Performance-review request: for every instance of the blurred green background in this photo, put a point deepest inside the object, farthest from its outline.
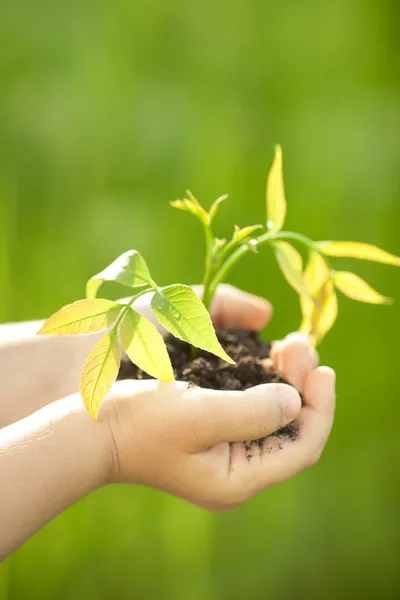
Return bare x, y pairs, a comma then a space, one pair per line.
108, 110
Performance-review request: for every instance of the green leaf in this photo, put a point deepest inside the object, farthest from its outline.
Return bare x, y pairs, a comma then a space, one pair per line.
145, 346
215, 206
193, 206
357, 289
129, 269
181, 312
291, 265
359, 250
83, 316
276, 202
100, 372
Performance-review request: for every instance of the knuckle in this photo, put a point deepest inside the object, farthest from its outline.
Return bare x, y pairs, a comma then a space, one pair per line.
224, 508
227, 503
234, 494
228, 497
223, 494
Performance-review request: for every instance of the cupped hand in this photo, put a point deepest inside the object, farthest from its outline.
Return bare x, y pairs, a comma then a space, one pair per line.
190, 441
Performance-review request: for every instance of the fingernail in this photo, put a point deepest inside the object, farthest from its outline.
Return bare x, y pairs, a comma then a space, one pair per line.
282, 395
291, 404
330, 372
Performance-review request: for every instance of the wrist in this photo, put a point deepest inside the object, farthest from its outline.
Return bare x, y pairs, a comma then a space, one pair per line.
125, 415
90, 441
50, 460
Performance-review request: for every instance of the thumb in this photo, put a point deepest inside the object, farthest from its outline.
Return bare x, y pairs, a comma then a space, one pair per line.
240, 416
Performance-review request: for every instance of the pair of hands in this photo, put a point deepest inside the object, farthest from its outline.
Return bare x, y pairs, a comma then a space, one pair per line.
189, 441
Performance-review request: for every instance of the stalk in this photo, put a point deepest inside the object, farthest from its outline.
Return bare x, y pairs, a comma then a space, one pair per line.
207, 271
224, 267
129, 304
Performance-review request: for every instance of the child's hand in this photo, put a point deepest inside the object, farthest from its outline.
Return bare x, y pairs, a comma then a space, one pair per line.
189, 441
186, 441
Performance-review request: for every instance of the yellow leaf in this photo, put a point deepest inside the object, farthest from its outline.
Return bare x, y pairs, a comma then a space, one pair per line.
145, 346
356, 288
359, 250
315, 276
100, 372
327, 316
316, 272
83, 316
323, 314
291, 265
276, 203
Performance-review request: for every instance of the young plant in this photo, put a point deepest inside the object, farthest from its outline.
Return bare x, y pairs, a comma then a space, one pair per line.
180, 311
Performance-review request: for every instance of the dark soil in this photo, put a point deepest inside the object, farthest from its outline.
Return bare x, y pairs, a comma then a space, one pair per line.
209, 371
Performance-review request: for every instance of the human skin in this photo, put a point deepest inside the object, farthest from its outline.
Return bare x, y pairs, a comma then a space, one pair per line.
185, 441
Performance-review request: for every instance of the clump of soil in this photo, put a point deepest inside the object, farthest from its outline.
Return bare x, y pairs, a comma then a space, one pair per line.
209, 371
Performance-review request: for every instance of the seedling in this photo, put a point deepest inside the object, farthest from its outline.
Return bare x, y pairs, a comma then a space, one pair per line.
181, 312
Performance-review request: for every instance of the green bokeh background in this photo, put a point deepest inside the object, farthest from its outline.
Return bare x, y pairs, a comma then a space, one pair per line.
108, 110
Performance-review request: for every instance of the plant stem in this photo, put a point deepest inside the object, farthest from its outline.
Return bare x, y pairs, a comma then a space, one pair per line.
207, 270
286, 235
136, 296
223, 269
209, 253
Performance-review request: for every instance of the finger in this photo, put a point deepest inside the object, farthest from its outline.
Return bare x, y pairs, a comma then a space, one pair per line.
232, 307
316, 418
315, 423
213, 417
277, 344
293, 358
